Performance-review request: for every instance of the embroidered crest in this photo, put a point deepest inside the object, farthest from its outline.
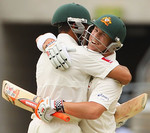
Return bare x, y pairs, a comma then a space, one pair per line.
106, 20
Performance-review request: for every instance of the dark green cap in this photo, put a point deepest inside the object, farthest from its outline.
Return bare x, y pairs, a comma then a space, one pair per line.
70, 10
112, 25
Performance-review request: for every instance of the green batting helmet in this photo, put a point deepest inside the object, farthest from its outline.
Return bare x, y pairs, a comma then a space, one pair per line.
70, 10
113, 26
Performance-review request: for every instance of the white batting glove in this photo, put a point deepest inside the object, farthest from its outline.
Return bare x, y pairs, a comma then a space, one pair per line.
48, 107
58, 55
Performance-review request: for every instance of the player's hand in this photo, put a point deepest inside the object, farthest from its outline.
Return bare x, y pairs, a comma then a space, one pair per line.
118, 125
47, 107
58, 55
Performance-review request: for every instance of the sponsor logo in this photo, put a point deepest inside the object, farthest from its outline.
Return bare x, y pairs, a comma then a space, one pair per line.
103, 97
11, 93
27, 102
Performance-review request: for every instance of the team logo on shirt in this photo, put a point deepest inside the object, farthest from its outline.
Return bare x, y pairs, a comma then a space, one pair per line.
106, 20
105, 98
105, 59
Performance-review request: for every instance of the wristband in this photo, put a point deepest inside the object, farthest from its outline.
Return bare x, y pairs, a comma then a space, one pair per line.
59, 106
49, 44
43, 38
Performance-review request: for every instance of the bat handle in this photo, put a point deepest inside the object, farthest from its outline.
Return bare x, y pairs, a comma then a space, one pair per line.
62, 116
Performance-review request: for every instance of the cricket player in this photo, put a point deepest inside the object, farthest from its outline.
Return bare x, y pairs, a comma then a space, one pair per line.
103, 94
70, 85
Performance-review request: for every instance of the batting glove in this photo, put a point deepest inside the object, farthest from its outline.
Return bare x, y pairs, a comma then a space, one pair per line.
58, 55
47, 107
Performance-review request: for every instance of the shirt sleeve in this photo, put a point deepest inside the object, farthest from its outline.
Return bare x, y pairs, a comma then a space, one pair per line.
105, 92
97, 65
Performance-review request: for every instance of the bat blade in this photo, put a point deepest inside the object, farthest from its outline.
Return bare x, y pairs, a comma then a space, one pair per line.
130, 108
24, 99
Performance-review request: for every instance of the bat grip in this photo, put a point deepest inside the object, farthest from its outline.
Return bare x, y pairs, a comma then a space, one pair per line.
62, 116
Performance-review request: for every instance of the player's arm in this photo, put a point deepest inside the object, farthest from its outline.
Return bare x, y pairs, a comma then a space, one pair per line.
121, 73
57, 53
87, 110
84, 110
60, 59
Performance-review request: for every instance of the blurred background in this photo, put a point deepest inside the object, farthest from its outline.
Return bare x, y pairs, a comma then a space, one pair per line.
22, 21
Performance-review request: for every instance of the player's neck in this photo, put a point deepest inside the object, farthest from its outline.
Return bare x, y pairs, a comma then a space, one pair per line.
107, 54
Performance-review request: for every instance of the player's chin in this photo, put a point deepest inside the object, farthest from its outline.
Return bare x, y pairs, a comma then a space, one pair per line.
91, 47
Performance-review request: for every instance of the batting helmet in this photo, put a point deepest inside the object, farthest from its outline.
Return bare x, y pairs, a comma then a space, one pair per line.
112, 26
70, 10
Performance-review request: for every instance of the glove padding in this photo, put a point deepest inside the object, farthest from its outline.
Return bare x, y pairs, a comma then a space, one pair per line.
58, 55
48, 107
45, 110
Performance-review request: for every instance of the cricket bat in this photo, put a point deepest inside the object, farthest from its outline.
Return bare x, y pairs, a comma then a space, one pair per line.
130, 108
24, 99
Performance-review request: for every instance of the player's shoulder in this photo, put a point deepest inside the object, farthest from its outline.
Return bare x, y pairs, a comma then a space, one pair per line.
87, 53
107, 80
91, 57
43, 59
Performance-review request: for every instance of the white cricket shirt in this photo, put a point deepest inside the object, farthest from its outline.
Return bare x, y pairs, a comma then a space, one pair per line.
107, 93
72, 84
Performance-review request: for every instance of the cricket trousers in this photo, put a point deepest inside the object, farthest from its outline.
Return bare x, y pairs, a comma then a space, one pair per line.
55, 126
